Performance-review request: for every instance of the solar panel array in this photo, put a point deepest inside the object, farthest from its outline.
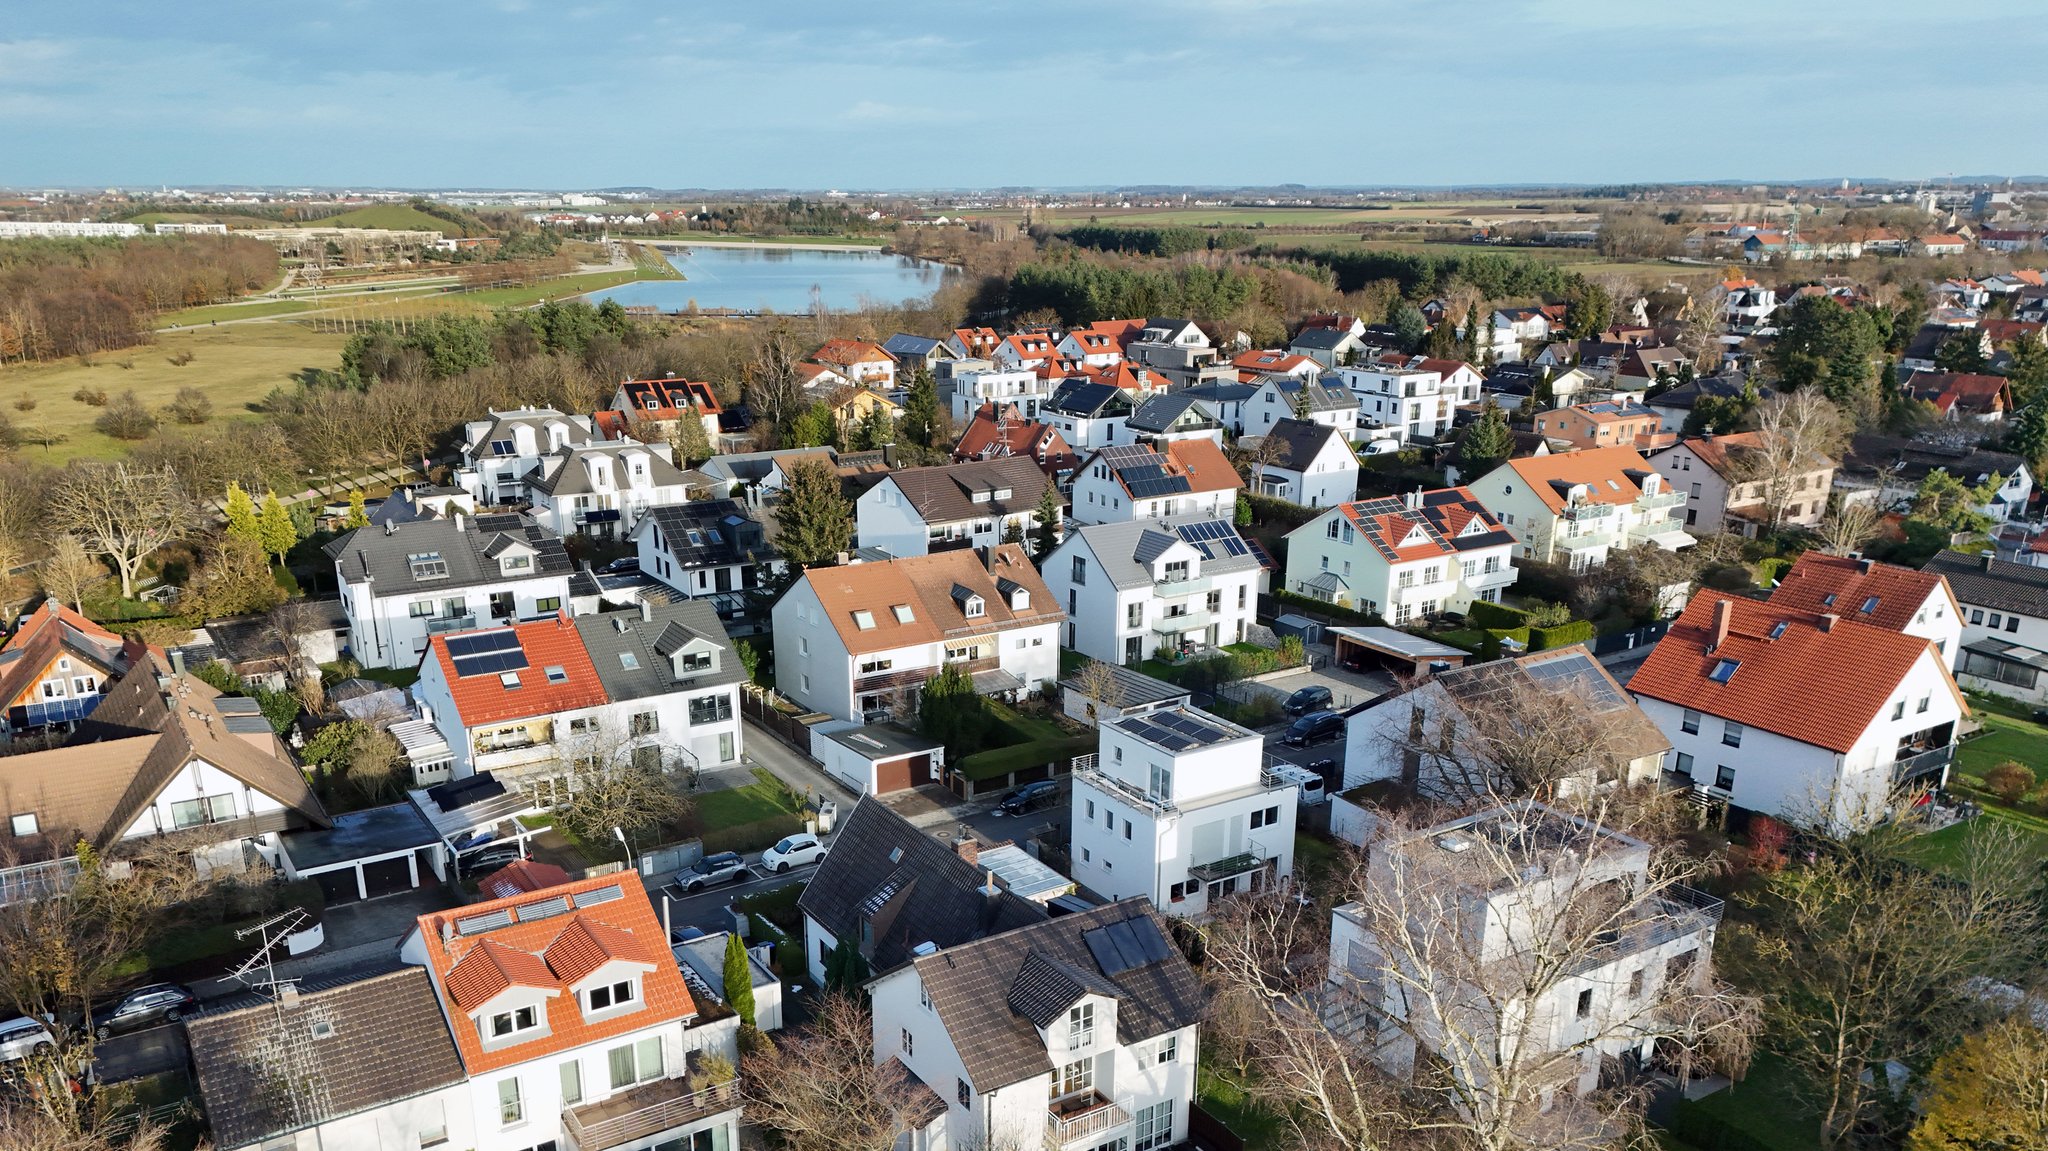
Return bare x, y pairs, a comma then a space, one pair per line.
1145, 481
1575, 672
1126, 945
486, 653
1205, 533
1173, 730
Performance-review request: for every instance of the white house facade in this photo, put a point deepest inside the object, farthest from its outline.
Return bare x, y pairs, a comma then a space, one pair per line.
1130, 589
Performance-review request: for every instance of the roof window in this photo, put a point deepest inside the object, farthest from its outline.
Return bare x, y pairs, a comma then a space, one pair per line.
629, 661
1724, 671
1778, 629
903, 613
509, 679
557, 674
1869, 605
864, 619
427, 565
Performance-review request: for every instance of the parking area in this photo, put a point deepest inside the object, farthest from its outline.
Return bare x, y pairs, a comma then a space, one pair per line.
1347, 688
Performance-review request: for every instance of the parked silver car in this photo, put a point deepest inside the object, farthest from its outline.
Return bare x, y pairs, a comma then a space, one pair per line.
23, 1037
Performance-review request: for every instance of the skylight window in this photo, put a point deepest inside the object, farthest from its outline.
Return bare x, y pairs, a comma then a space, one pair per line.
557, 674
501, 447
1724, 671
509, 679
1869, 605
1778, 629
864, 620
1828, 600
903, 613
629, 661
427, 565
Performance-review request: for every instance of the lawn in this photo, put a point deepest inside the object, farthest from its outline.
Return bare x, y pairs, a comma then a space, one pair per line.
234, 366
557, 289
745, 818
2004, 738
1943, 850
1225, 1099
1764, 1106
397, 217
257, 310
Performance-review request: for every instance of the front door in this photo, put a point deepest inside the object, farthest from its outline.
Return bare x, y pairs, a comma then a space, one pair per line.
1134, 650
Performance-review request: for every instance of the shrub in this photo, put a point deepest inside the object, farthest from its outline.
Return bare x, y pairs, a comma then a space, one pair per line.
126, 419
1563, 635
1770, 571
25, 403
91, 397
2009, 781
191, 406
1483, 614
1543, 613
1292, 601
1767, 842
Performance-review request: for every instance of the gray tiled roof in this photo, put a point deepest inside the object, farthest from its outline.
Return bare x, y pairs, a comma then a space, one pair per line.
1301, 441
1046, 986
909, 886
725, 533
939, 495
1320, 339
1125, 551
502, 424
466, 545
384, 1041
1319, 397
972, 988
670, 626
566, 471
1158, 411
1997, 584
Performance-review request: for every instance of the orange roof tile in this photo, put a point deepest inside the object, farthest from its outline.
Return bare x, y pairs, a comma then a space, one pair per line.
548, 643
610, 914
1604, 471
1819, 582
1204, 464
1817, 683
924, 584
520, 876
846, 353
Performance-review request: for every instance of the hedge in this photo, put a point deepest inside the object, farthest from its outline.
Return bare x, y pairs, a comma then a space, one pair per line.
1000, 761
1563, 635
753, 835
1770, 571
1519, 634
1483, 614
1318, 607
1534, 580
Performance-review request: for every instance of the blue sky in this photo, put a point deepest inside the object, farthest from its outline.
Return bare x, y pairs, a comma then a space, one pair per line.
926, 93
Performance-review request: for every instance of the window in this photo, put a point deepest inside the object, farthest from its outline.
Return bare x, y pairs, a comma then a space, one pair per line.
1724, 777
548, 604
2012, 623
710, 709
421, 609
25, 823
1091, 809
517, 563
427, 565
572, 1082
208, 809
1585, 1003
1161, 782
556, 673
864, 620
646, 723
1081, 1026
964, 1092
1168, 1050
433, 1136
1075, 1077
909, 1042
616, 995
1685, 763
1266, 817
1921, 707
1899, 710
974, 607
513, 1022
635, 1062
1976, 615
1127, 829
1723, 671
1690, 722
902, 613
1635, 984
1134, 615
511, 1109
1153, 1126
1731, 733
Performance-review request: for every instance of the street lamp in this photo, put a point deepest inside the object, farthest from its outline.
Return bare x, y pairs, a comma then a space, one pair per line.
619, 833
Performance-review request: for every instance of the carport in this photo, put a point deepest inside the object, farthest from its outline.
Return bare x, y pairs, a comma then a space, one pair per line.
365, 855
459, 811
1360, 648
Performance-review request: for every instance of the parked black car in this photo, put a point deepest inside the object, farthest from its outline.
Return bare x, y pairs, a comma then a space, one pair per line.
624, 565
144, 1007
488, 858
1314, 697
1030, 797
1314, 727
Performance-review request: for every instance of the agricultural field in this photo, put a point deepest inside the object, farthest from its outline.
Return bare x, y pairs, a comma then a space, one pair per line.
235, 366
398, 217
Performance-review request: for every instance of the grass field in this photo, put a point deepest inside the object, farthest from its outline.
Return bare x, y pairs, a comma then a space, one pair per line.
1253, 217
234, 366
398, 217
263, 309
1766, 1107
560, 289
2004, 738
1943, 850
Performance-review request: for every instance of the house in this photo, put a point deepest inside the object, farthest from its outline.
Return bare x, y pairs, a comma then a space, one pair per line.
1762, 246
1179, 809
162, 754
1576, 507
1328, 347
915, 354
1452, 456
855, 641
821, 380
656, 407
55, 668
603, 489
1940, 245
1285, 397
1075, 1032
1817, 718
1925, 347
1402, 557
2004, 608
2008, 240
1917, 603
705, 957
1314, 465
499, 453
1605, 424
1642, 368
1225, 402
1675, 406
1514, 327
1459, 378
978, 503
894, 891
1962, 292
420, 502
999, 430
1026, 350
575, 1025
1163, 417
1131, 588
385, 1066
761, 473
1889, 470
1417, 403
972, 343
1173, 344
1514, 384
859, 362
1023, 388
1509, 881
1440, 739
1968, 396
656, 685
1118, 692
1253, 367
1190, 479
1746, 306
856, 409
706, 549
1728, 489
1088, 414
1092, 346
402, 585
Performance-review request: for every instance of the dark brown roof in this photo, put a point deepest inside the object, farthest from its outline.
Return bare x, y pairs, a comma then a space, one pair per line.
910, 887
940, 494
972, 988
384, 1040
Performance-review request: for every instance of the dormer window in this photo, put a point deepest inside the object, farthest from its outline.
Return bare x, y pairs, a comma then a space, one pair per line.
974, 607
516, 563
513, 1022
1081, 1026
609, 996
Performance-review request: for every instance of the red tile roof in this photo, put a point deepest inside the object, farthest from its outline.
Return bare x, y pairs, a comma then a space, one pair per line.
1028, 347
1274, 363
1819, 582
1604, 471
977, 341
1442, 367
1203, 463
1974, 394
548, 643
924, 585
608, 918
51, 629
1818, 683
846, 353
1390, 524
521, 876
1016, 436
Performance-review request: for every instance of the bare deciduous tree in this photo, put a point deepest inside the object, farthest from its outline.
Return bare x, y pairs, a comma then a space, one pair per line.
821, 1089
772, 385
1096, 681
1798, 433
69, 573
1848, 526
119, 512
615, 781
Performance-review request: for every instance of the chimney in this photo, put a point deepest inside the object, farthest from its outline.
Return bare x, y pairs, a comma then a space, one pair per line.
458, 521
1724, 614
177, 661
967, 847
646, 612
1415, 499
1988, 557
1863, 565
1828, 621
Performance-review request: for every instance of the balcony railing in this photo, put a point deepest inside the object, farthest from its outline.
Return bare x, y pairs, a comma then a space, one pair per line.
1251, 859
449, 623
1662, 500
1580, 512
1170, 588
1673, 913
646, 1110
1925, 763
1082, 1116
1186, 621
1129, 793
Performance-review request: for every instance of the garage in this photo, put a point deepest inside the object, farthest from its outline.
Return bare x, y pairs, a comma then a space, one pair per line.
1388, 649
364, 855
388, 876
879, 759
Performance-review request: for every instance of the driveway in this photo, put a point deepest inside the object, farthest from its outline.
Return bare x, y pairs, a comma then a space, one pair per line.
1347, 688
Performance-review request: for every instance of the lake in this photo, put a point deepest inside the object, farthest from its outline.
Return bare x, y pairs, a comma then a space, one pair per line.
772, 277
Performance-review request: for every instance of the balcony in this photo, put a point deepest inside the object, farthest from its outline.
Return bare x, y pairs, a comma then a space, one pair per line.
1921, 765
1501, 576
1170, 588
1128, 792
646, 1110
1415, 593
1676, 912
1661, 500
448, 623
1083, 1117
1244, 862
1182, 623
1583, 513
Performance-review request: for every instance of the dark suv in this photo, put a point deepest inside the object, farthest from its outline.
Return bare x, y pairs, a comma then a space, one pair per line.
1030, 797
1314, 727
1315, 697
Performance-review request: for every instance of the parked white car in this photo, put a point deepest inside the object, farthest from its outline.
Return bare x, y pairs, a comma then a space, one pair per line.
794, 851
23, 1037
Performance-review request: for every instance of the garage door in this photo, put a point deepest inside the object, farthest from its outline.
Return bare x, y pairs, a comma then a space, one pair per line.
339, 886
387, 876
920, 770
893, 775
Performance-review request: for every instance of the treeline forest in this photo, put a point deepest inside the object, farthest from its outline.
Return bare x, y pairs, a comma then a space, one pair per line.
63, 298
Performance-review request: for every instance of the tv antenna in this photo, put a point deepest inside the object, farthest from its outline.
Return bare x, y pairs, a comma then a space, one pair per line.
273, 932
